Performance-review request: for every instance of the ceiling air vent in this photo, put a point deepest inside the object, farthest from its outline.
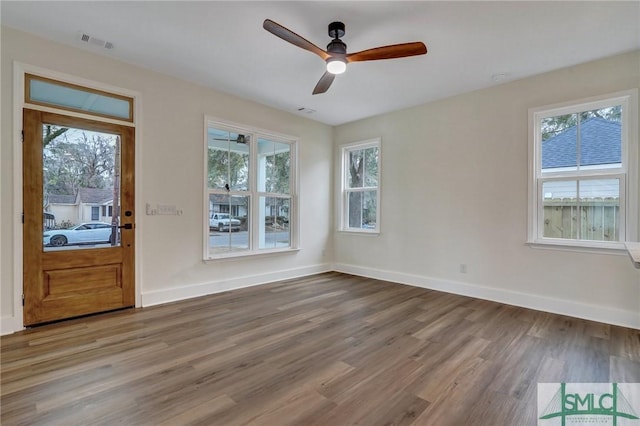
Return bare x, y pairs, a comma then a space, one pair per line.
86, 38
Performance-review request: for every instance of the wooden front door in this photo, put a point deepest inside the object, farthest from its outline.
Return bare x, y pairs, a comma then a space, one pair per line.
79, 217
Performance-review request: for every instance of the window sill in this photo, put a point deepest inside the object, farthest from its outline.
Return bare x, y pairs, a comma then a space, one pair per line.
634, 253
372, 233
249, 255
613, 248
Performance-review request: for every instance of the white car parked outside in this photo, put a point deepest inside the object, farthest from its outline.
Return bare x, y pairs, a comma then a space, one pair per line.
85, 233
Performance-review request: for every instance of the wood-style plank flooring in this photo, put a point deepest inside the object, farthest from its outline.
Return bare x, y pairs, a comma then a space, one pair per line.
330, 349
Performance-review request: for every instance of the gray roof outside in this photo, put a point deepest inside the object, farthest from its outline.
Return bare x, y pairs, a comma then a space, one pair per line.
85, 195
600, 143
227, 200
95, 195
61, 199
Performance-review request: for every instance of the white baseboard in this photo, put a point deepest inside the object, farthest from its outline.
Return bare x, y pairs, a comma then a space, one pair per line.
526, 300
9, 325
175, 294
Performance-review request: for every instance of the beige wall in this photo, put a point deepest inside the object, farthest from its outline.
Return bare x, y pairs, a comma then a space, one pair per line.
454, 182
454, 191
171, 172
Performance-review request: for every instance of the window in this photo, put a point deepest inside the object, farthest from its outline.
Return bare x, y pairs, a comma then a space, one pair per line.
71, 97
250, 191
360, 187
583, 185
107, 211
95, 213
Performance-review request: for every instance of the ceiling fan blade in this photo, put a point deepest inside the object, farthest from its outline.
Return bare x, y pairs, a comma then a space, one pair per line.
389, 52
293, 38
324, 83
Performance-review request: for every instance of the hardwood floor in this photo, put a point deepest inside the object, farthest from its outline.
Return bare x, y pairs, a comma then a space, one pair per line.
330, 349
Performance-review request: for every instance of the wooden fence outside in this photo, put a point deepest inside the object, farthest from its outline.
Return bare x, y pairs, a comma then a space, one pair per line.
599, 218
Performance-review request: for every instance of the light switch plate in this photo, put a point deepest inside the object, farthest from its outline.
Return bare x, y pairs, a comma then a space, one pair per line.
167, 209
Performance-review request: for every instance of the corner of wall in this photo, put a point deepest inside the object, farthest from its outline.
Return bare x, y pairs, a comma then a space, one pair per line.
530, 301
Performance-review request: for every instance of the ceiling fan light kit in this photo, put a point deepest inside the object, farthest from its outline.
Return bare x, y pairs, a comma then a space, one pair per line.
336, 65
336, 56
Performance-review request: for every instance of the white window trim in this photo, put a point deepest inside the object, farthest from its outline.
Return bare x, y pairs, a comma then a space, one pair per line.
253, 192
628, 173
343, 219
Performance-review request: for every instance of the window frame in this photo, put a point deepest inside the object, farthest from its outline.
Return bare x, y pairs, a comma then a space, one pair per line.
345, 149
28, 78
253, 193
627, 173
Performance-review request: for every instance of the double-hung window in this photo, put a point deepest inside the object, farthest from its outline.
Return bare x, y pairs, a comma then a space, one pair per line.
250, 202
360, 187
583, 180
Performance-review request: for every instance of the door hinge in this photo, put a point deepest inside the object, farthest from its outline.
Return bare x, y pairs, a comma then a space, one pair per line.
23, 299
22, 138
23, 218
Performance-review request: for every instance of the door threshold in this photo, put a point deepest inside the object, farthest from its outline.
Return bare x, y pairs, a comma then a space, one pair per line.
63, 320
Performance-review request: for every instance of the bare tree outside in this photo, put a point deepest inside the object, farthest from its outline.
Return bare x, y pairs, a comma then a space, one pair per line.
363, 173
78, 159
553, 126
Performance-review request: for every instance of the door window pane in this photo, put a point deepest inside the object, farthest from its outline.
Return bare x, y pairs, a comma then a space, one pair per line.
81, 172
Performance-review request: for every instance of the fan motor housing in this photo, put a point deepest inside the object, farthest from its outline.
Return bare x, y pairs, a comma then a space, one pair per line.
336, 29
337, 47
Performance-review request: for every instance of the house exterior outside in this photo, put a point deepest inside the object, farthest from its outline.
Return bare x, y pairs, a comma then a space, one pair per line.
63, 207
88, 205
235, 206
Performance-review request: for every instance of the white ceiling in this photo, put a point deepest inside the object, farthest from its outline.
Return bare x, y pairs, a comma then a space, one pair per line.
222, 44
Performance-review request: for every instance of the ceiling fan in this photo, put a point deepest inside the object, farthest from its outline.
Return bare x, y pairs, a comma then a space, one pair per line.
336, 55
241, 139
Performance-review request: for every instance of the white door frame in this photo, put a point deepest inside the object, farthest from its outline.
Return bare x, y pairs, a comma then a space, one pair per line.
16, 322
